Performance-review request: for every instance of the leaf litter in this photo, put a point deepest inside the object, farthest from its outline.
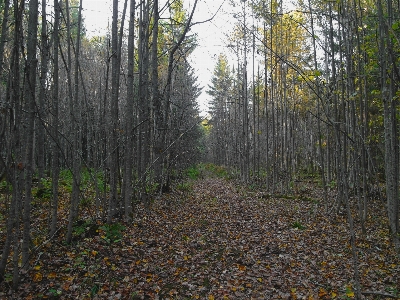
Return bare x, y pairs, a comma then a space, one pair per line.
219, 241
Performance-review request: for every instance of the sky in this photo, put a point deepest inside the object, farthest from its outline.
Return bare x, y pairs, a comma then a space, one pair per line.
211, 35
211, 39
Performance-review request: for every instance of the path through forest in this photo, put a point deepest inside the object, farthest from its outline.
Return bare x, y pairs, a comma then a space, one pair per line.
216, 240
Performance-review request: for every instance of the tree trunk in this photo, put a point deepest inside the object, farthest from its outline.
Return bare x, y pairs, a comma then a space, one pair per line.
55, 122
112, 204
4, 34
14, 155
156, 105
391, 156
129, 144
144, 154
321, 150
41, 133
30, 104
77, 140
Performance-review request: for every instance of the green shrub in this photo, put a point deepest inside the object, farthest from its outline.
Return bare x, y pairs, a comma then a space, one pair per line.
193, 172
45, 192
112, 233
5, 186
80, 227
332, 184
152, 188
66, 179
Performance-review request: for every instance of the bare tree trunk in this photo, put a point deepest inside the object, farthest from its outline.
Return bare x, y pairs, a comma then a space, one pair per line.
156, 105
321, 150
77, 142
104, 125
41, 133
4, 34
273, 99
144, 155
363, 100
30, 98
333, 83
71, 109
17, 234
253, 131
267, 156
55, 122
112, 204
394, 201
391, 156
245, 128
15, 154
129, 143
258, 132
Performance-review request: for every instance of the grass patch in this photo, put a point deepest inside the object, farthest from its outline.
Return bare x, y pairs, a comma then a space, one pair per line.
185, 187
298, 225
193, 172
219, 171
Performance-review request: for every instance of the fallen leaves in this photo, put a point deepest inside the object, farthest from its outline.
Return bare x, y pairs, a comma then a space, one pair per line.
52, 275
241, 267
37, 277
219, 242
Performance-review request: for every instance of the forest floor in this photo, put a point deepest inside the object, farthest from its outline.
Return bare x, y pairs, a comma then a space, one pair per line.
216, 240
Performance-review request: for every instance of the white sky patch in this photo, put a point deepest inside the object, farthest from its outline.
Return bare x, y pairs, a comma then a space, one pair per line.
97, 15
211, 37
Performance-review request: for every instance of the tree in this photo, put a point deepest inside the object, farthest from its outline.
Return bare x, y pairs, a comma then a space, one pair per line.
387, 66
13, 157
4, 32
168, 91
221, 93
77, 139
55, 122
44, 58
30, 108
90, 133
129, 141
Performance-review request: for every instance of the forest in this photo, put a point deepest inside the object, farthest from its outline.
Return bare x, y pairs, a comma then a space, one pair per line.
114, 185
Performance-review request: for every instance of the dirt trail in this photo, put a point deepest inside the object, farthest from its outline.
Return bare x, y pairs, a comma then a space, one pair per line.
218, 241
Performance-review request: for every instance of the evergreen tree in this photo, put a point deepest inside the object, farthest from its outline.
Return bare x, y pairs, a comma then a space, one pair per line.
220, 91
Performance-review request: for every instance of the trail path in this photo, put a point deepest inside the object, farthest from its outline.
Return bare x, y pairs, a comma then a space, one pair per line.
220, 241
